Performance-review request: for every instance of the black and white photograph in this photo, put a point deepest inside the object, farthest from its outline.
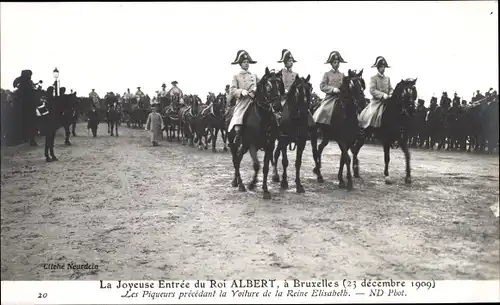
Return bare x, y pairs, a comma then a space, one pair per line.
247, 140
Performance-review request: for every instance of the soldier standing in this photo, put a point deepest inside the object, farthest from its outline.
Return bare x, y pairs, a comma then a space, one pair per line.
93, 120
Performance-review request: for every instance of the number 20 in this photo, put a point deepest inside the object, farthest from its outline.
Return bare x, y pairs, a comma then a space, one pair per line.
42, 295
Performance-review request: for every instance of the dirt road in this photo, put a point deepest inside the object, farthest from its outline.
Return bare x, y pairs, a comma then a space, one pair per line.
142, 212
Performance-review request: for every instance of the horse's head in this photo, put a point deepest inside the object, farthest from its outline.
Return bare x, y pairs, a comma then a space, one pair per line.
270, 88
353, 86
299, 98
404, 96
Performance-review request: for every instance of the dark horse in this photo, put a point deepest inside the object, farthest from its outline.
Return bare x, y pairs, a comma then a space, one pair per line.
396, 125
259, 130
214, 118
343, 127
113, 116
59, 114
293, 128
171, 118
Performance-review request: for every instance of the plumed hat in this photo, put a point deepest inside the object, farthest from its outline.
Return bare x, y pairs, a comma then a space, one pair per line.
286, 55
380, 61
174, 82
241, 56
334, 55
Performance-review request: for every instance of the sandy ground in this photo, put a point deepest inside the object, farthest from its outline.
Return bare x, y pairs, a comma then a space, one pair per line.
142, 212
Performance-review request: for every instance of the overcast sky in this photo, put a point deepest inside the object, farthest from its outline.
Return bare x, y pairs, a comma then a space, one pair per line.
450, 46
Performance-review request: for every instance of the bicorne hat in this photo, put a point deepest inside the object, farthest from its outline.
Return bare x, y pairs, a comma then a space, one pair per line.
334, 55
380, 61
241, 56
286, 55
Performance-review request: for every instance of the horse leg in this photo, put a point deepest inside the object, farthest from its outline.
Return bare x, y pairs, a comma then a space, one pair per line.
314, 146
406, 152
180, 133
340, 174
206, 138
49, 145
301, 145
355, 151
73, 127
224, 137
276, 176
111, 127
256, 168
387, 159
214, 134
235, 158
116, 128
66, 135
240, 152
317, 169
265, 171
346, 159
47, 141
284, 163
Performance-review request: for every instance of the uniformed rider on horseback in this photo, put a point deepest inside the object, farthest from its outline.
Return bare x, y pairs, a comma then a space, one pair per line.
289, 78
330, 84
139, 95
381, 90
95, 97
243, 87
162, 96
176, 91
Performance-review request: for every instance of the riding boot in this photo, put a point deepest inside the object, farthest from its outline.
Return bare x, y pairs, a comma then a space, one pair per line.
237, 138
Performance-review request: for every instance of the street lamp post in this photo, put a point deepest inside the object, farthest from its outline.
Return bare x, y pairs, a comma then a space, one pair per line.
56, 76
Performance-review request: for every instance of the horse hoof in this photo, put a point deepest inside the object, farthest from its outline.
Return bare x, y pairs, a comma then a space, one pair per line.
234, 183
342, 185
74, 135
225, 148
206, 147
67, 143
284, 185
276, 178
266, 195
214, 150
251, 186
300, 189
355, 170
349, 185
408, 180
320, 179
388, 180
242, 188
315, 171
48, 159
